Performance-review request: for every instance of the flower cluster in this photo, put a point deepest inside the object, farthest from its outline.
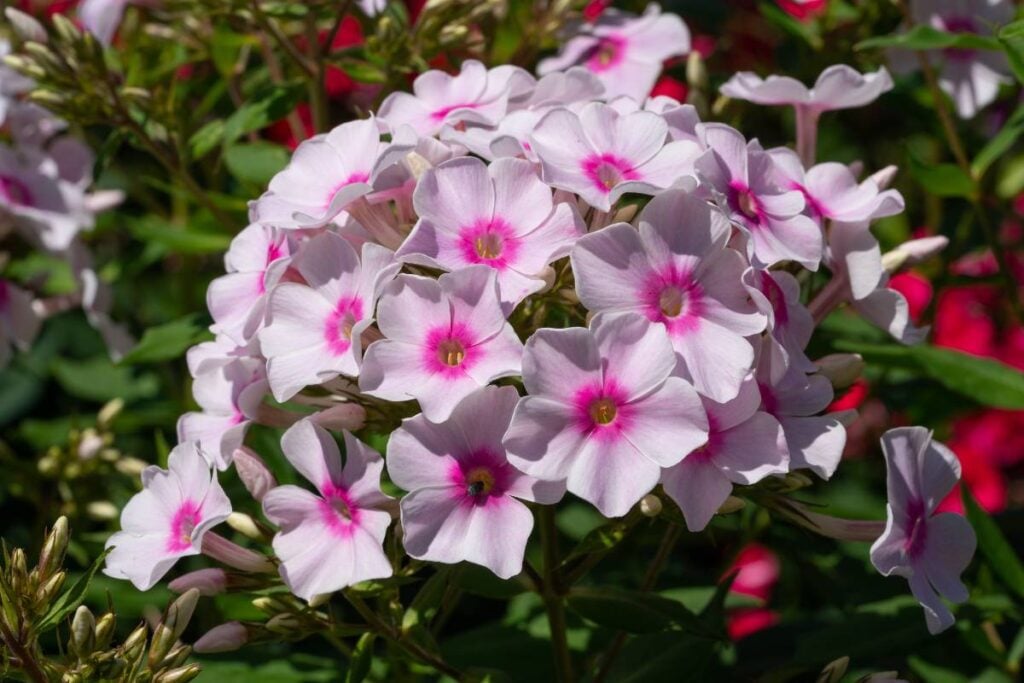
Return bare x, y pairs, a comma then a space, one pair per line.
538, 286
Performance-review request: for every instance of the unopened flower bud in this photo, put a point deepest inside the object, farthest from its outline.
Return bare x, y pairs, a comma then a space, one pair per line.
131, 466
105, 630
102, 510
135, 643
162, 642
109, 411
25, 25
271, 604
650, 505
283, 624
233, 555
83, 633
176, 657
89, 444
66, 29
319, 599
834, 670
51, 557
796, 480
254, 473
548, 276
350, 416
841, 369
180, 612
246, 525
625, 214
224, 638
24, 66
696, 71
49, 590
731, 504
913, 252
180, 675
208, 582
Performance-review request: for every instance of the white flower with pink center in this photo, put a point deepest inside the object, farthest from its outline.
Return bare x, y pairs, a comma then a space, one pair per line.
501, 216
744, 446
325, 175
604, 412
464, 496
19, 323
313, 330
677, 271
167, 519
445, 338
742, 180
230, 397
837, 87
929, 550
256, 259
623, 50
474, 95
333, 538
601, 154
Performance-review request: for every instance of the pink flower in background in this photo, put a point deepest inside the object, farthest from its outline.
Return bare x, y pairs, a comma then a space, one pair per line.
803, 10
475, 95
313, 330
757, 572
601, 154
677, 271
464, 496
167, 519
929, 550
838, 87
230, 397
742, 180
501, 216
604, 412
445, 338
744, 446
19, 323
624, 51
326, 174
333, 538
776, 294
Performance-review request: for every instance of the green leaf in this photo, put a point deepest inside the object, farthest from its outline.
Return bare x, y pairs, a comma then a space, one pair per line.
206, 138
1011, 37
261, 110
1000, 144
634, 611
256, 162
424, 606
97, 379
804, 30
923, 37
985, 380
666, 657
69, 600
363, 72
166, 342
943, 180
362, 657
178, 239
993, 545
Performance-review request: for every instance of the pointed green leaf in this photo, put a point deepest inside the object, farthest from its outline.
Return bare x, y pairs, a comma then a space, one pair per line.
993, 545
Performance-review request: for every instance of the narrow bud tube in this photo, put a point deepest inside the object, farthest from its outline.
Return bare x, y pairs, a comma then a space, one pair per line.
223, 638
350, 416
841, 369
233, 555
208, 582
254, 473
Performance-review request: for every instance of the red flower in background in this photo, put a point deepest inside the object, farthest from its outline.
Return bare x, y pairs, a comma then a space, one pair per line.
804, 10
670, 87
758, 572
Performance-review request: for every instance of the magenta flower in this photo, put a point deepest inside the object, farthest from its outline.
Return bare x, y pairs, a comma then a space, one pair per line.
464, 497
333, 538
501, 216
230, 397
445, 339
677, 271
741, 178
604, 412
475, 95
256, 259
167, 519
313, 330
624, 51
744, 446
601, 154
929, 550
326, 174
19, 323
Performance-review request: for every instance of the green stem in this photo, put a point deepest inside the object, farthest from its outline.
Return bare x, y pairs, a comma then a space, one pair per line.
553, 595
316, 83
25, 659
282, 40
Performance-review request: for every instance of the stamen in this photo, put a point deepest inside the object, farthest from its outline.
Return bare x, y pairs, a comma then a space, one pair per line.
603, 411
671, 301
479, 482
488, 245
451, 352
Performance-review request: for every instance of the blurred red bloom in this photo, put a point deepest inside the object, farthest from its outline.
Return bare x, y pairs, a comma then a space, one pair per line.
758, 572
670, 87
852, 398
804, 10
747, 620
916, 288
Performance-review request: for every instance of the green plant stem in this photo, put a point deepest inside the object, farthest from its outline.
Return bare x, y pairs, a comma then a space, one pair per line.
553, 595
316, 83
282, 40
25, 659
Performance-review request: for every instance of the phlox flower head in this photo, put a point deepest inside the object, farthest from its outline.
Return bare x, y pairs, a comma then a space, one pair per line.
930, 550
332, 538
445, 338
167, 519
464, 496
838, 87
745, 445
624, 51
604, 412
741, 178
19, 324
677, 271
601, 154
313, 330
501, 216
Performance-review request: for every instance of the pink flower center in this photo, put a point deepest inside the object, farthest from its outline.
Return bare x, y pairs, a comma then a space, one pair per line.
338, 328
337, 510
491, 242
184, 522
674, 299
743, 201
606, 171
442, 113
480, 478
607, 54
357, 177
917, 531
449, 351
602, 410
15, 192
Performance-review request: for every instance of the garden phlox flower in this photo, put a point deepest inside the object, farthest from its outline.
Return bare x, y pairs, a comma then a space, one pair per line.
624, 51
745, 445
501, 216
313, 329
742, 180
601, 154
19, 324
463, 500
333, 538
444, 339
929, 550
604, 412
677, 271
837, 87
167, 519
